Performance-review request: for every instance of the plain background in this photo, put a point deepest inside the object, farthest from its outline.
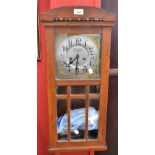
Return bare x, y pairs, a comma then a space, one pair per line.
18, 77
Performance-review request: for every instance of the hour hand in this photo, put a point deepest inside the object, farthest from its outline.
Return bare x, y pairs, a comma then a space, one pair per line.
71, 61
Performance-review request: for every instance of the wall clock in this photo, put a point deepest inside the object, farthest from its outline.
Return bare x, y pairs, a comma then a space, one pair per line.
78, 58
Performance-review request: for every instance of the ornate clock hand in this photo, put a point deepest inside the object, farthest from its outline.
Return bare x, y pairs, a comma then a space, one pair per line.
71, 61
77, 62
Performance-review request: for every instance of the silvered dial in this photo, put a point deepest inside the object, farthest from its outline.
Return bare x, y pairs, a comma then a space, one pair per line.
77, 54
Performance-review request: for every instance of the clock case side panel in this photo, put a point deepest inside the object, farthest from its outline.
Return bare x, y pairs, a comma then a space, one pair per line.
104, 84
51, 86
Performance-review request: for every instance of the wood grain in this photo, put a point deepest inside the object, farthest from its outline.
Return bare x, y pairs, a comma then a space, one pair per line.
51, 87
105, 64
68, 111
76, 82
64, 13
86, 112
81, 96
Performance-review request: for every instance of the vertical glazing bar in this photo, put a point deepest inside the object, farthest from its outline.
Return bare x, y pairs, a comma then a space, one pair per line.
86, 116
68, 110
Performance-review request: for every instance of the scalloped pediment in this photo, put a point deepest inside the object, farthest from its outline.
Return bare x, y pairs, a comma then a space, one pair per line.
67, 14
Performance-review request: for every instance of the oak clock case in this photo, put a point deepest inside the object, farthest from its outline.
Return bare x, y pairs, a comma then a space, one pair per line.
78, 59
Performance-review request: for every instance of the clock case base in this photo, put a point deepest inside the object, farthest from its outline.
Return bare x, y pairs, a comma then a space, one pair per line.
78, 148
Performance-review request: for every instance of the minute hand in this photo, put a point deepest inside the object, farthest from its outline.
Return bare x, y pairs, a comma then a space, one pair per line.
77, 62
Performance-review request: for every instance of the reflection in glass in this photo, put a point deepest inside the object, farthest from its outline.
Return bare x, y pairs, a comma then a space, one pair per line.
61, 90
77, 119
93, 116
78, 89
62, 119
94, 89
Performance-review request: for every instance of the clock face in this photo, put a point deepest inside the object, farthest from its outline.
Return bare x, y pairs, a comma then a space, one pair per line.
77, 56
